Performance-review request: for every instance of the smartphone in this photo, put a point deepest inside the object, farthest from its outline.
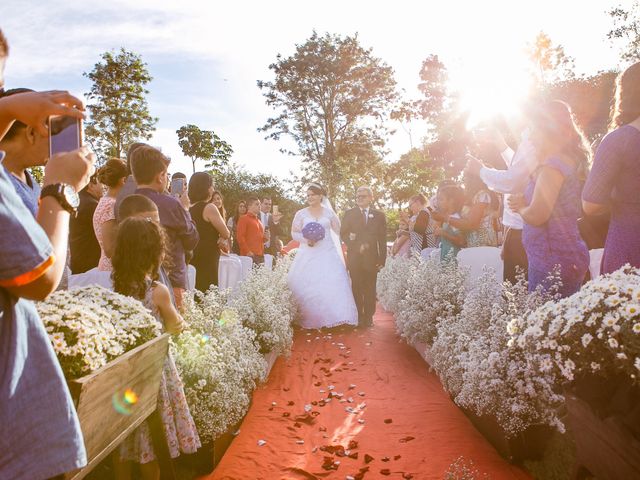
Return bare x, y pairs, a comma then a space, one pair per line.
65, 134
275, 210
178, 186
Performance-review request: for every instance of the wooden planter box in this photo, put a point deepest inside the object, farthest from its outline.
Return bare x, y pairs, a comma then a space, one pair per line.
528, 445
424, 350
604, 447
94, 395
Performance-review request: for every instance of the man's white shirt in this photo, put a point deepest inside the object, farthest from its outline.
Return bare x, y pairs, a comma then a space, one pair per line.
520, 167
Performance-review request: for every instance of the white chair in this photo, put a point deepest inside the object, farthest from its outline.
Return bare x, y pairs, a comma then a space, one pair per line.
191, 277
434, 254
476, 258
247, 264
426, 253
268, 261
595, 259
90, 277
229, 272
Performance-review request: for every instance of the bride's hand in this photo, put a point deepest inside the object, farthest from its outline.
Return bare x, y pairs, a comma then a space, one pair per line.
311, 243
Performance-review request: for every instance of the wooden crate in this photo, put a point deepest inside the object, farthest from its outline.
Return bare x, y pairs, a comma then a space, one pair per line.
104, 427
604, 447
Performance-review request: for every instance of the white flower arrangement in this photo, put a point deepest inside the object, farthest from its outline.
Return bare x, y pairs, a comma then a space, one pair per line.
91, 326
220, 365
594, 331
435, 293
487, 374
392, 281
265, 304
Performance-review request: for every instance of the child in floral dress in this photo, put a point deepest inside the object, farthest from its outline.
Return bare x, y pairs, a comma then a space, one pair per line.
139, 252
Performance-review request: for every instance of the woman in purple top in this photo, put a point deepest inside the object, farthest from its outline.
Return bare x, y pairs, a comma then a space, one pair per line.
614, 181
551, 203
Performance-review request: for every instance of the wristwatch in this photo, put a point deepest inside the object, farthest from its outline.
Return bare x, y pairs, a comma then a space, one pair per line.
65, 194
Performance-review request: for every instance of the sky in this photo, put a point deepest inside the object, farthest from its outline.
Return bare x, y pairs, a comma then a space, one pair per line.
205, 57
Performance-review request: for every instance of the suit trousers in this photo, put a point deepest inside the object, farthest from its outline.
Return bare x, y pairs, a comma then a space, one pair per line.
513, 255
363, 284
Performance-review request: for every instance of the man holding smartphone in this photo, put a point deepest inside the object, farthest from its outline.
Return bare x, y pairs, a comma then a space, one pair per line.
42, 436
271, 224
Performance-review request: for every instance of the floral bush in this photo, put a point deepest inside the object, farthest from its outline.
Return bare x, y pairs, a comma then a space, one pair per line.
594, 331
392, 281
265, 304
435, 293
91, 326
490, 376
220, 365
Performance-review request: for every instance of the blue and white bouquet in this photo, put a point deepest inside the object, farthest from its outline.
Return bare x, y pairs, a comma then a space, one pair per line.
313, 232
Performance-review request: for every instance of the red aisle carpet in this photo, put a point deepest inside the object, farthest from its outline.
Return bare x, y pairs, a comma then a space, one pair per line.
404, 420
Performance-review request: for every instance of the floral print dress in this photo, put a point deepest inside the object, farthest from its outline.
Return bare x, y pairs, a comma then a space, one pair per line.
179, 428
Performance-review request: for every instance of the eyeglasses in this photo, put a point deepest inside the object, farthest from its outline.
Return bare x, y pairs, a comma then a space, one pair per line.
362, 196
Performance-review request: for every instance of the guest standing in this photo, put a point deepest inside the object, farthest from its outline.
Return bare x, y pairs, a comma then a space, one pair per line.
251, 236
232, 224
150, 172
113, 175
139, 252
477, 219
211, 228
614, 181
24, 148
450, 202
550, 206
271, 224
130, 185
83, 244
520, 166
218, 200
421, 227
41, 428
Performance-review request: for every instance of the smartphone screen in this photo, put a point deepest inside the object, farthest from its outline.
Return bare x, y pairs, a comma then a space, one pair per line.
65, 134
177, 186
275, 210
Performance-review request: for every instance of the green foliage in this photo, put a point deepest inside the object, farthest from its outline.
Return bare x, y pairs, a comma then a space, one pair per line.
626, 27
118, 107
590, 99
550, 62
332, 97
414, 173
236, 183
203, 145
438, 102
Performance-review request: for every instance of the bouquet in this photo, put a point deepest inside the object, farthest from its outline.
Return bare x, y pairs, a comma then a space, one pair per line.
313, 232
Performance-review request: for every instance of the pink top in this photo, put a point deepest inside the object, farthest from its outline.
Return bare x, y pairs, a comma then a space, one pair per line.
105, 211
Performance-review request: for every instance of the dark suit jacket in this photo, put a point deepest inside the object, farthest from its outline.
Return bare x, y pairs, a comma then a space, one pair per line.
366, 242
274, 230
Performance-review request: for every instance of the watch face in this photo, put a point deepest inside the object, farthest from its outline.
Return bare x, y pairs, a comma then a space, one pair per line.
71, 196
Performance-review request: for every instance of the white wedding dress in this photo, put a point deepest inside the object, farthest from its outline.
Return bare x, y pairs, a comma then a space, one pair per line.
318, 277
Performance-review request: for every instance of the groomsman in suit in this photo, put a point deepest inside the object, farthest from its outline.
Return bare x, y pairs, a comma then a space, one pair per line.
271, 224
364, 231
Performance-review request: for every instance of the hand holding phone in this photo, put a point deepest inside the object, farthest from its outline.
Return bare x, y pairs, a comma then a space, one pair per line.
276, 210
65, 134
178, 186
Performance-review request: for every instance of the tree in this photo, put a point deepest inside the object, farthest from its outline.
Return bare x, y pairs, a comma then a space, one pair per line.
413, 173
203, 145
590, 100
332, 98
438, 102
626, 27
118, 108
551, 63
236, 183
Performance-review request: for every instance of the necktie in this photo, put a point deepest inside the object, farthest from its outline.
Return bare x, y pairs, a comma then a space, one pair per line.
364, 212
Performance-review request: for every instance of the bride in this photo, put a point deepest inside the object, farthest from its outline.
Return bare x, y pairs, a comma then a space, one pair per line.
318, 277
